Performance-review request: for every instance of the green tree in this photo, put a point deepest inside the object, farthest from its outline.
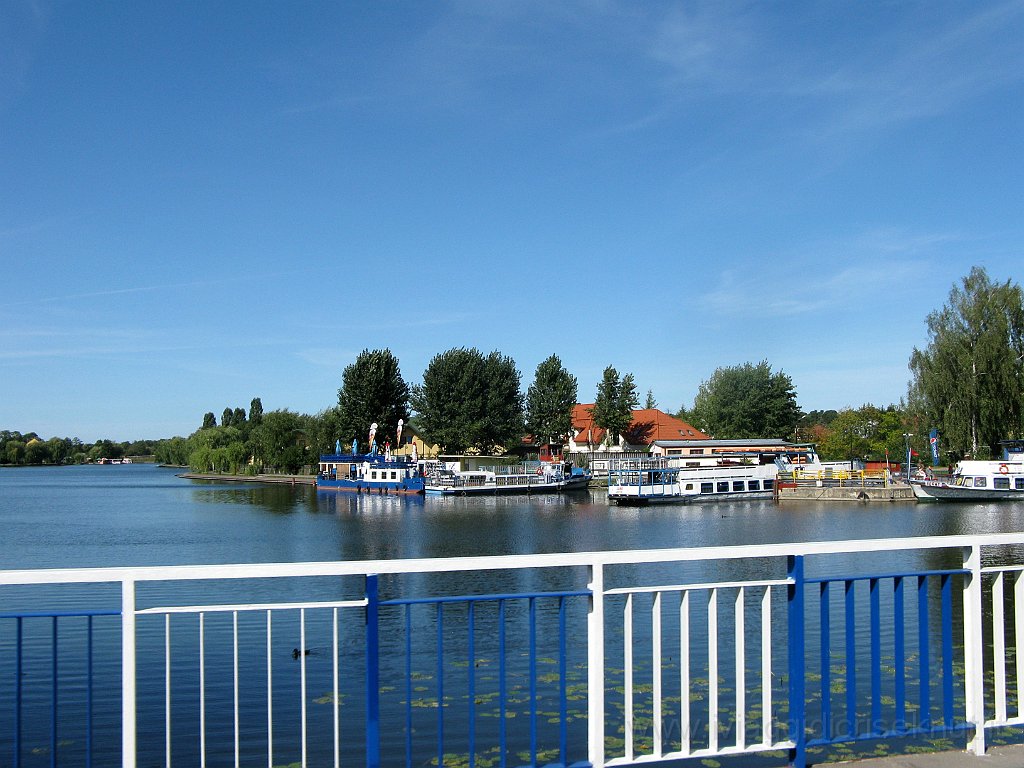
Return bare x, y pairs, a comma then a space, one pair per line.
864, 433
280, 442
614, 404
650, 403
238, 417
255, 411
15, 451
372, 392
746, 401
227, 419
550, 400
467, 401
209, 420
969, 381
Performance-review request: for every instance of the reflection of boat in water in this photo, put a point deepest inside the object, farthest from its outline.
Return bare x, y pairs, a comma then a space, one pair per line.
369, 473
545, 477
720, 477
975, 481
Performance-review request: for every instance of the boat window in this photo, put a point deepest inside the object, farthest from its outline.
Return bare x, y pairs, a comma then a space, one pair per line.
1018, 483
1001, 483
753, 485
689, 486
737, 485
707, 487
723, 487
980, 482
769, 484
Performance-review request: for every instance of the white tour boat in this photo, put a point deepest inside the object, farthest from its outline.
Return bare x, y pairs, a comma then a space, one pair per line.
682, 480
974, 480
547, 477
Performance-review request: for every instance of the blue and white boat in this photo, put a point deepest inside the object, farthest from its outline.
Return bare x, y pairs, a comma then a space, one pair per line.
369, 473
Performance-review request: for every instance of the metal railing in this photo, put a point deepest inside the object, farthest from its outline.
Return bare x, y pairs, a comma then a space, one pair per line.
619, 658
839, 479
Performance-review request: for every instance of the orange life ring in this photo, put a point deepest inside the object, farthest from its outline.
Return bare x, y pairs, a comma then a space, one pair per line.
1003, 469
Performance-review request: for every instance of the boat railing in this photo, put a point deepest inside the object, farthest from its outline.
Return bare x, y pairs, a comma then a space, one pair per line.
408, 663
838, 478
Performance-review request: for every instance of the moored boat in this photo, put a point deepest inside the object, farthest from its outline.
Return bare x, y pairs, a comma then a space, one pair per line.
369, 473
974, 480
681, 480
545, 478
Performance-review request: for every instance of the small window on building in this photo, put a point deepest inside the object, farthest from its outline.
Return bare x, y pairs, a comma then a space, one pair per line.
696, 451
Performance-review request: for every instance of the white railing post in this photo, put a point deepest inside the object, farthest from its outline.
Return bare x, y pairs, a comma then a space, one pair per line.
974, 672
595, 667
128, 745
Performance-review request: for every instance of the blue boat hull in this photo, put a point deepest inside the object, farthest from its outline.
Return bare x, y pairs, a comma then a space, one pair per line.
412, 485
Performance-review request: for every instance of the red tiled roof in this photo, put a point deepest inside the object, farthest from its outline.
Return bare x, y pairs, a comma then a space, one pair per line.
655, 424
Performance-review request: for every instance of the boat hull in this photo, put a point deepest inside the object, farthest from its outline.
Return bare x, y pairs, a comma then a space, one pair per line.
931, 490
624, 499
494, 489
412, 486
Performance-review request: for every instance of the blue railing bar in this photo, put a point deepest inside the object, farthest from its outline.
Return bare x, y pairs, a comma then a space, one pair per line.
888, 575
485, 598
876, 656
924, 654
373, 757
826, 658
797, 682
440, 684
533, 681
471, 651
563, 733
17, 694
851, 658
53, 702
56, 614
88, 697
502, 685
947, 649
894, 734
408, 687
899, 650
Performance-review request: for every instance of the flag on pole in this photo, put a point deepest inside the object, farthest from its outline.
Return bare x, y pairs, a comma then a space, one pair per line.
933, 440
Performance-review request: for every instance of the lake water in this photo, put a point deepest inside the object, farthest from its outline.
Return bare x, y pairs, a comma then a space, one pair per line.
140, 514
130, 515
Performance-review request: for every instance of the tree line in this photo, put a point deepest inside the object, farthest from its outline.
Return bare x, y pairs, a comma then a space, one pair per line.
30, 449
967, 383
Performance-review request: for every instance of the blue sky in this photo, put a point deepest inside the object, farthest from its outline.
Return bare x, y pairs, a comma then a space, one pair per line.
205, 202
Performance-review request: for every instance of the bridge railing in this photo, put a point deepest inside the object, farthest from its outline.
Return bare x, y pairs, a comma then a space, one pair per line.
606, 658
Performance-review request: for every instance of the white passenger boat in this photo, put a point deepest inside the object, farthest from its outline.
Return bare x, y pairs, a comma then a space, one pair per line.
975, 481
554, 477
681, 480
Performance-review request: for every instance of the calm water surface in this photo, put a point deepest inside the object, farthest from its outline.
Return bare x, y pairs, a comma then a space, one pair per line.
145, 515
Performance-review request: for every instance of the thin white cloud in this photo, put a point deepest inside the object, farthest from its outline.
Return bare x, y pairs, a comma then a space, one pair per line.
808, 283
